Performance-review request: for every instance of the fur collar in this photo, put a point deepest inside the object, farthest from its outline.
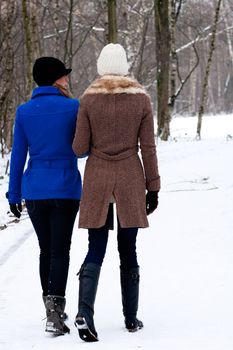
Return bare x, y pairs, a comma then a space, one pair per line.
115, 84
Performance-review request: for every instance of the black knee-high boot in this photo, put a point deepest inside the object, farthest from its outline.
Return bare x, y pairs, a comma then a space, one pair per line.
88, 282
130, 294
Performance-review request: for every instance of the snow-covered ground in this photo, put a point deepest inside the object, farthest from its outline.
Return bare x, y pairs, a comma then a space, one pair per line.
186, 259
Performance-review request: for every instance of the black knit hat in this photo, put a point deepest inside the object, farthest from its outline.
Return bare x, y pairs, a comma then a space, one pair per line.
47, 70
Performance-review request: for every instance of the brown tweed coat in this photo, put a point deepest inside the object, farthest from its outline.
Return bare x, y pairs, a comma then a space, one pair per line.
114, 117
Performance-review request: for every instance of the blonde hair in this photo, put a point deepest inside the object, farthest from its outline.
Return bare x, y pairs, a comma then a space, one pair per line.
64, 91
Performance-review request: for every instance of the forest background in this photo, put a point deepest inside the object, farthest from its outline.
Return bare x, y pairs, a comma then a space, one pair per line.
180, 50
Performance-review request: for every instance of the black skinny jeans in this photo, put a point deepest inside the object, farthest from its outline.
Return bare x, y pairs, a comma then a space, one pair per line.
126, 239
53, 221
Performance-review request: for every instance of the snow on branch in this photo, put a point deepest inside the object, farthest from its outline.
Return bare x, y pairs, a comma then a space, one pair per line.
199, 38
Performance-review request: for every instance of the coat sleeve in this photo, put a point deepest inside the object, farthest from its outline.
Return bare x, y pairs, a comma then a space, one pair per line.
148, 148
82, 138
17, 162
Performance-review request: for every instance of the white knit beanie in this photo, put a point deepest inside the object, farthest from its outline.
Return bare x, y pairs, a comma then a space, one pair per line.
112, 60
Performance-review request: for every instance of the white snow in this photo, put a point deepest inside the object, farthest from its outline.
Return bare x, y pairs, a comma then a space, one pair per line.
186, 259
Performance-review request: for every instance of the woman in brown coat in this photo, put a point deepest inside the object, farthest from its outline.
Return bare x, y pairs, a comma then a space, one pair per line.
114, 119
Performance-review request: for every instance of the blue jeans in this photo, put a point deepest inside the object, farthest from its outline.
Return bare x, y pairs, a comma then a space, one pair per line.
53, 221
126, 239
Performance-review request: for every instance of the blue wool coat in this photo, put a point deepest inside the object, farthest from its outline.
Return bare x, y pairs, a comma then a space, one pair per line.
44, 130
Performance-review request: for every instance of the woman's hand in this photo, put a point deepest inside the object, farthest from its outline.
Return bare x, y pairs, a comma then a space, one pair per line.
16, 209
152, 201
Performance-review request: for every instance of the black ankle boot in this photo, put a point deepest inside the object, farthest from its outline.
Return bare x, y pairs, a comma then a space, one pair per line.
55, 306
88, 282
130, 294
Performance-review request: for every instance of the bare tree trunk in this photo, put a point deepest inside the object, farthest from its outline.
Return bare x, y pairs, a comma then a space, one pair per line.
68, 54
34, 30
173, 65
219, 83
28, 44
56, 22
210, 103
175, 7
228, 98
193, 81
6, 100
163, 49
207, 72
139, 58
112, 22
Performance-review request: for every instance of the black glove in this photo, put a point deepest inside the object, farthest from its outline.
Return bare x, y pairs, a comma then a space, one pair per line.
152, 201
16, 209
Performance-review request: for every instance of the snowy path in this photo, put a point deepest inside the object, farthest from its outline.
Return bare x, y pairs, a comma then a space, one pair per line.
186, 259
7, 254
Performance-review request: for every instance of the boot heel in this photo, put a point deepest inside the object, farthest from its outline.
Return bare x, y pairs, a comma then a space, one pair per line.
50, 327
80, 323
84, 331
133, 326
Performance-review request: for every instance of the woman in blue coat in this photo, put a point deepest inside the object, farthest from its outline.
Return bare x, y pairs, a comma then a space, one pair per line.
51, 184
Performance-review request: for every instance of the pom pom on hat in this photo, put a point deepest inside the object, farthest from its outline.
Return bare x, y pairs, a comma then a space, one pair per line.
112, 60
